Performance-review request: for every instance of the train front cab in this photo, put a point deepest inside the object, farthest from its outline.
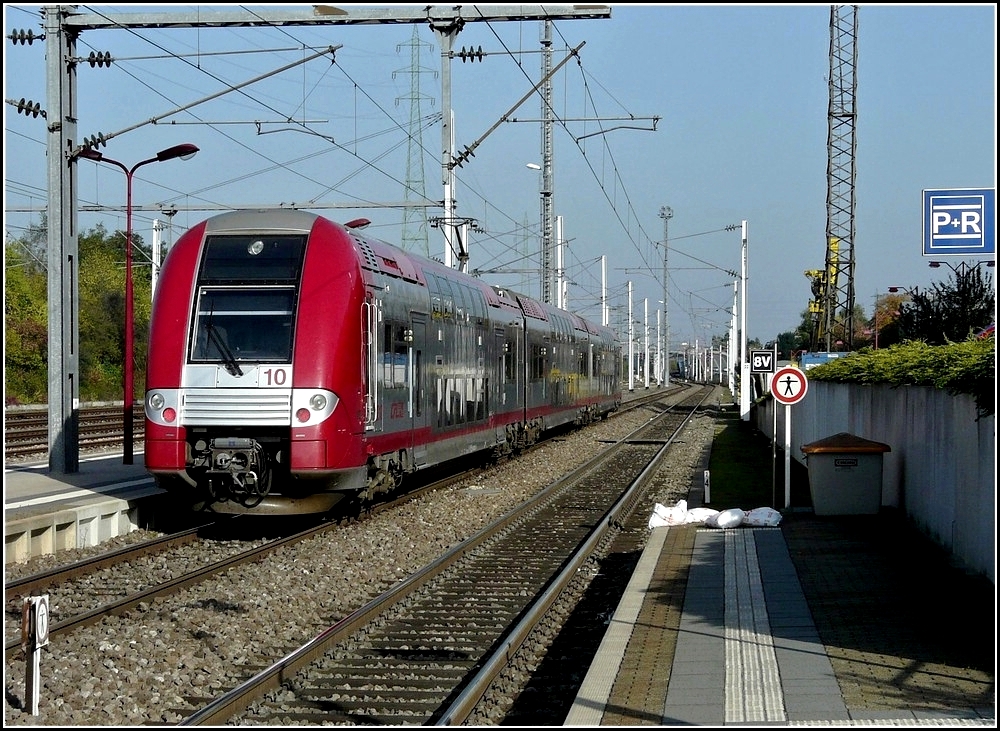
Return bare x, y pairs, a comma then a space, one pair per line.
251, 404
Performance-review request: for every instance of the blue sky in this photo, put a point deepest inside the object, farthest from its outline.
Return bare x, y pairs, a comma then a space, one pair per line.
740, 92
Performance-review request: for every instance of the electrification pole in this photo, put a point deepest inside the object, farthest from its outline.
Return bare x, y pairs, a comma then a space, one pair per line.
666, 213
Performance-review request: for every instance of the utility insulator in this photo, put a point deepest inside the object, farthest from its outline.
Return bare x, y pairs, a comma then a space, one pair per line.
94, 141
20, 37
30, 108
471, 55
99, 59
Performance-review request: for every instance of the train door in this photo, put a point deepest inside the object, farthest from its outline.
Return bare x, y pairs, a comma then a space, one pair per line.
371, 318
508, 355
420, 413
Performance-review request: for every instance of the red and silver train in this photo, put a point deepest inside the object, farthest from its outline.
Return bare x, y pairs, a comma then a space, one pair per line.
294, 361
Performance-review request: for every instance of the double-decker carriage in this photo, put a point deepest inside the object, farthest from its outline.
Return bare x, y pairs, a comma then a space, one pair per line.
294, 361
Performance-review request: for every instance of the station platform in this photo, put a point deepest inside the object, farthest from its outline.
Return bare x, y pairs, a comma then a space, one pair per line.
819, 621
46, 512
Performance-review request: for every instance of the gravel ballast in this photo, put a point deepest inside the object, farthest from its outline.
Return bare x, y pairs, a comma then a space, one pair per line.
133, 669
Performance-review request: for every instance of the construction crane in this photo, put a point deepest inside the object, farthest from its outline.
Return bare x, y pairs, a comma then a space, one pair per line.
832, 307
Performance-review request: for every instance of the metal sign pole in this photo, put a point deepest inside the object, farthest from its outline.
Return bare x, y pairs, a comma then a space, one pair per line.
788, 386
788, 456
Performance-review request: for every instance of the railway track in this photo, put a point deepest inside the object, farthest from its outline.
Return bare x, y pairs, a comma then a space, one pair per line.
26, 430
116, 636
81, 589
89, 605
428, 651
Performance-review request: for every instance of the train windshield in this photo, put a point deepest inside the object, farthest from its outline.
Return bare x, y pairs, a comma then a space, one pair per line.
239, 325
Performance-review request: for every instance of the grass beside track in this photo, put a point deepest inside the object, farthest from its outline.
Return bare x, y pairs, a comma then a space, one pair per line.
742, 470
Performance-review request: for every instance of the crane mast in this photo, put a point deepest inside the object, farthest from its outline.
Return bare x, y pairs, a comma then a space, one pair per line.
832, 307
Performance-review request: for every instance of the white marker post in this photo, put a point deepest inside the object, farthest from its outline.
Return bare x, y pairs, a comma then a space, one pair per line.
34, 636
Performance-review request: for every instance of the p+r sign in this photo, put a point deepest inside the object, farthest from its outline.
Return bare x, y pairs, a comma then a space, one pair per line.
960, 222
789, 385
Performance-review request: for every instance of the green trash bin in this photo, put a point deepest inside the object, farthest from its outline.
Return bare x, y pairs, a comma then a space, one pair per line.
845, 474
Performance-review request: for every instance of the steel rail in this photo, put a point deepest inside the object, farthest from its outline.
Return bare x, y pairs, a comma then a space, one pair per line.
460, 710
219, 710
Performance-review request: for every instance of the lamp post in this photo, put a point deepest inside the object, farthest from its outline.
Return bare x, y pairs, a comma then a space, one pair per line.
185, 151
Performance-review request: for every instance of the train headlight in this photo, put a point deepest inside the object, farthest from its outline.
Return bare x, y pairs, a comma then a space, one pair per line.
311, 406
317, 402
163, 406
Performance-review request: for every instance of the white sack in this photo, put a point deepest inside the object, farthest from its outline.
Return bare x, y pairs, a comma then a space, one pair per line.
731, 518
663, 515
700, 515
762, 517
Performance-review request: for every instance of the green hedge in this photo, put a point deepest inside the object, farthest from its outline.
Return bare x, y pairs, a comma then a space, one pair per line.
967, 367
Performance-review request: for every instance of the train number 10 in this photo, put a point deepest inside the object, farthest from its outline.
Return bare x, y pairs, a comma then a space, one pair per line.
274, 377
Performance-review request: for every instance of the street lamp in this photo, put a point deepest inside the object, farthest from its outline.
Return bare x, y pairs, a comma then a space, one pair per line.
963, 268
185, 152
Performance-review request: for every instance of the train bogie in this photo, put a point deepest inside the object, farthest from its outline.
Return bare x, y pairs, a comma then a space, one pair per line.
294, 362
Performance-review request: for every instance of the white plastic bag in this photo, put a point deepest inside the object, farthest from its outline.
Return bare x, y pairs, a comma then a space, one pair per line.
762, 517
662, 515
731, 518
700, 515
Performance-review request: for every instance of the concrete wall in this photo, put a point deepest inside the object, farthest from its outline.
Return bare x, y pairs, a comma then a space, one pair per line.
942, 468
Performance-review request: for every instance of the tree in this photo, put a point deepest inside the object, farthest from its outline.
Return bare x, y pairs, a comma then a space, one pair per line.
800, 340
100, 309
885, 319
951, 311
789, 342
26, 316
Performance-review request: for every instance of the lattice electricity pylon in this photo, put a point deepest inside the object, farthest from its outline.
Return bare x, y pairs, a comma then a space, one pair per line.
837, 305
415, 225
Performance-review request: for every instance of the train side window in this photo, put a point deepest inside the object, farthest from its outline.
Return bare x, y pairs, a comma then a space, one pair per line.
537, 362
477, 305
434, 289
447, 299
395, 357
461, 311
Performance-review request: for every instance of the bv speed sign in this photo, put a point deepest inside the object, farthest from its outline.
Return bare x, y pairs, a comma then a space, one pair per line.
789, 385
